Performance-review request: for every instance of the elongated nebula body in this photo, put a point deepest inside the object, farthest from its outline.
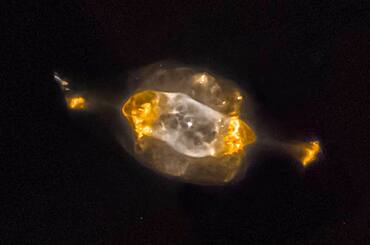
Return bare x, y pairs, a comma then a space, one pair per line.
187, 124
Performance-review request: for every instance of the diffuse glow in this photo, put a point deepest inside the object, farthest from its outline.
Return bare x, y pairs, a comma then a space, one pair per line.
203, 78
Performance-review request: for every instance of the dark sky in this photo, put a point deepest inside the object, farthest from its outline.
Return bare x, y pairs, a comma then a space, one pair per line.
306, 65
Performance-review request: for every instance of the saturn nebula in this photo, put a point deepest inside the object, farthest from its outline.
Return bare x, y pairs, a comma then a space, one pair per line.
187, 123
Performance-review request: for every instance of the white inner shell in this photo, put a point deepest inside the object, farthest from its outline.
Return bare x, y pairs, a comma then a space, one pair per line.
189, 126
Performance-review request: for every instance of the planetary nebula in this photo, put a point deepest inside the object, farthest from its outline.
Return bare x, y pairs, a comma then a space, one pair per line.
183, 122
187, 123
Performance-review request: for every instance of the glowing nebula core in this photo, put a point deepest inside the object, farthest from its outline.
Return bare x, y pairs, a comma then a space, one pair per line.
187, 123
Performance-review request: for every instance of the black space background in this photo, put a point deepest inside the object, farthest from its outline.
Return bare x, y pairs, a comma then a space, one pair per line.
306, 64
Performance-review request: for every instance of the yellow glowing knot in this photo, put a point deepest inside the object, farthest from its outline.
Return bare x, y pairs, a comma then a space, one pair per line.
311, 151
141, 110
238, 136
76, 103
